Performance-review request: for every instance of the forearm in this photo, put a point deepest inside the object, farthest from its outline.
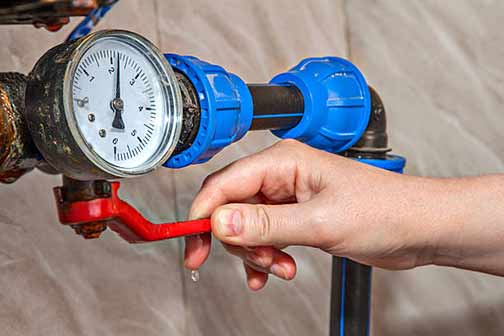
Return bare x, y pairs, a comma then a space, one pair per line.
459, 222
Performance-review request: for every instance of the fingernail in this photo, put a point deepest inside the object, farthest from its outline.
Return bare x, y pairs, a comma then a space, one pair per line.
279, 271
229, 222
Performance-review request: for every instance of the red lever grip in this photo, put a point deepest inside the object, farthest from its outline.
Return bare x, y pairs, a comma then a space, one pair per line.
125, 219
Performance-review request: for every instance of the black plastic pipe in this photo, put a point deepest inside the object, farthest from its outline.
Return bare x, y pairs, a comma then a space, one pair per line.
351, 281
350, 298
275, 106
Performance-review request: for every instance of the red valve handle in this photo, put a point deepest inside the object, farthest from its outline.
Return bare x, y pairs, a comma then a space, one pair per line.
124, 219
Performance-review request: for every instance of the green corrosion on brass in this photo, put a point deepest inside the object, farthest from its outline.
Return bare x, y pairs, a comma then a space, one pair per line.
18, 154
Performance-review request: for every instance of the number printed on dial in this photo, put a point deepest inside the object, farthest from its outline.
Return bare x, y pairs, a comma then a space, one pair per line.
119, 104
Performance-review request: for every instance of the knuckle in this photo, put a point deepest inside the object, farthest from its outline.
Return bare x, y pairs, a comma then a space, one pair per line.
263, 223
209, 180
288, 143
262, 256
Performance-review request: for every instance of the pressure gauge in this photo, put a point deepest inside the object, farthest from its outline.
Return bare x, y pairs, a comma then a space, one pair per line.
105, 106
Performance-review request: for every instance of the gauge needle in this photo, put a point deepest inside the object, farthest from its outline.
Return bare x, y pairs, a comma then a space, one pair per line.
117, 103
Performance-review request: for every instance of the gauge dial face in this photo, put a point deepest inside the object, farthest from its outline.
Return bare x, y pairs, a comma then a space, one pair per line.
125, 105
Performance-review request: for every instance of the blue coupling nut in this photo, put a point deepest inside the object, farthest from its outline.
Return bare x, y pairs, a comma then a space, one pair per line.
337, 103
225, 104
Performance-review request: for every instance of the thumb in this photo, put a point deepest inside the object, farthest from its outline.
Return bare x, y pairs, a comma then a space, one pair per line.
265, 225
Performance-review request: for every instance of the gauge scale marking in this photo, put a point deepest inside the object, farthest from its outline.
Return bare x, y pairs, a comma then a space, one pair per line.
110, 74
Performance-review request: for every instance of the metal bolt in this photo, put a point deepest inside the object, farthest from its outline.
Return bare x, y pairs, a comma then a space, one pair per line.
118, 104
90, 230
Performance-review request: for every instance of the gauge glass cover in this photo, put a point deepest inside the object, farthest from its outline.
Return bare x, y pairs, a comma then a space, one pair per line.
124, 106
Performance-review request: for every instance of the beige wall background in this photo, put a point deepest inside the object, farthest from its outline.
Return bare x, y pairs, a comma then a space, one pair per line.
439, 68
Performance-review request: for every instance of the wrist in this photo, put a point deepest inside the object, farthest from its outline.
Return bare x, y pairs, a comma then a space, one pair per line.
472, 236
428, 215
459, 222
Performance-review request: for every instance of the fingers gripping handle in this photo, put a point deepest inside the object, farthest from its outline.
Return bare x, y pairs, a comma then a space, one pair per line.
122, 218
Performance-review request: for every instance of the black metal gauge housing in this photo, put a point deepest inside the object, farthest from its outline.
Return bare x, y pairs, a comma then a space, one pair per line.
105, 106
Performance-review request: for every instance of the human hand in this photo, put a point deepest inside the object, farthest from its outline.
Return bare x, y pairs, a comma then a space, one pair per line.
292, 194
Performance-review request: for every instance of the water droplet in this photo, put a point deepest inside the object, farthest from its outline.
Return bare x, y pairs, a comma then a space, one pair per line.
195, 275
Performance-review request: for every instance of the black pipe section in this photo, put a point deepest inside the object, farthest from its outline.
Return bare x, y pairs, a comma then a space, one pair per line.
350, 298
351, 281
275, 106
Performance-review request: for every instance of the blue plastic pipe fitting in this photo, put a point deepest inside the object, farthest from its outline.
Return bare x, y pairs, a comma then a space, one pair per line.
337, 103
226, 109
335, 98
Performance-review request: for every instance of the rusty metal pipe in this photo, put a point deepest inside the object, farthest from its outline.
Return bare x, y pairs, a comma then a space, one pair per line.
18, 153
